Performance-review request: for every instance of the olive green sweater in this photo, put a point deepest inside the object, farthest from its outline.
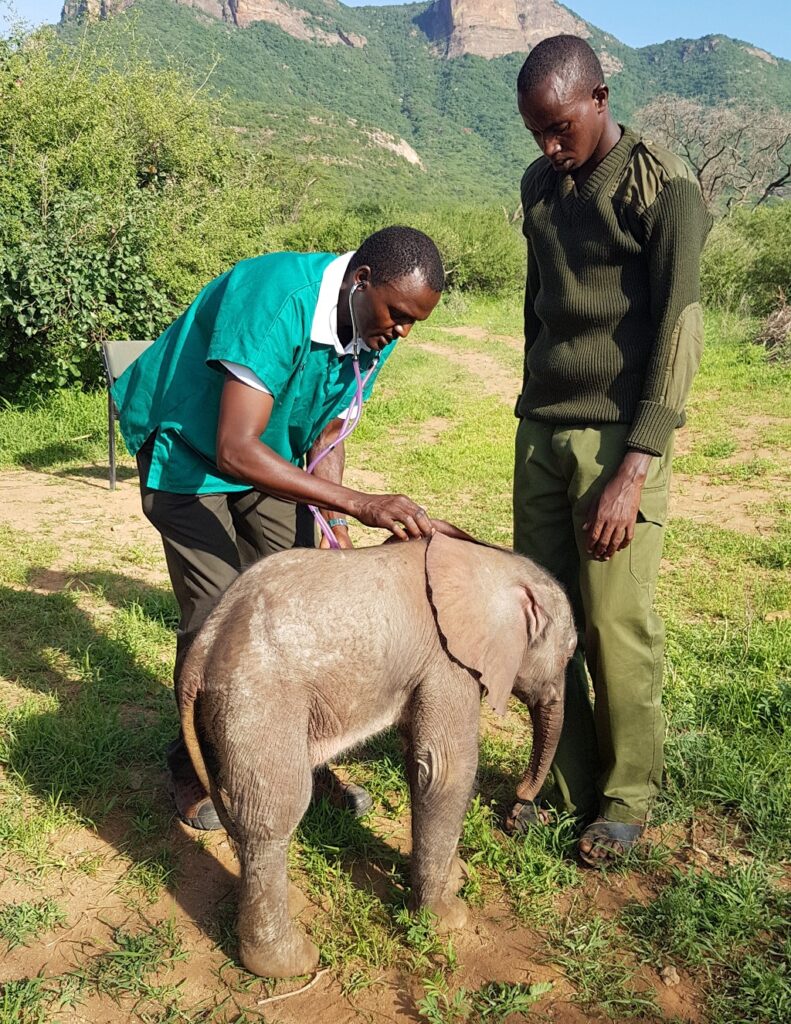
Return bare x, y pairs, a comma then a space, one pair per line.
613, 325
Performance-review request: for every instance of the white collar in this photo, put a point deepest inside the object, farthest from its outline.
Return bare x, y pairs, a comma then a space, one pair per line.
324, 329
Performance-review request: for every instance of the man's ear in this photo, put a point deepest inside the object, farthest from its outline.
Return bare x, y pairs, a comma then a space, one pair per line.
601, 97
362, 277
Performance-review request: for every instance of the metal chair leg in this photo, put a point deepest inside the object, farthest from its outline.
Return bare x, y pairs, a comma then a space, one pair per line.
111, 438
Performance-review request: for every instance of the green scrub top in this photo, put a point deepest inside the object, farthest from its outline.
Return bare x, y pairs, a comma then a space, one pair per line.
258, 314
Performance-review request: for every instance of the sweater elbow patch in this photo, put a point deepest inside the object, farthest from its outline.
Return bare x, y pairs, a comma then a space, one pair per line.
686, 350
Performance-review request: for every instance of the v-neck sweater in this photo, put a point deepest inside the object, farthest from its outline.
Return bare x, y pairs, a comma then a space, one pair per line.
613, 326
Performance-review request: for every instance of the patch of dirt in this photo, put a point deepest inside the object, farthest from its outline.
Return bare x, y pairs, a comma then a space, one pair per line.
494, 378
481, 334
431, 428
82, 518
727, 506
473, 333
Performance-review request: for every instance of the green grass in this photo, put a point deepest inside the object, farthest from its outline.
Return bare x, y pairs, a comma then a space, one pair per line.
493, 1002
735, 926
21, 922
65, 430
123, 972
86, 709
597, 960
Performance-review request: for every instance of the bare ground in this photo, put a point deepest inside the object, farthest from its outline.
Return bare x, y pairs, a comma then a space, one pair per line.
84, 523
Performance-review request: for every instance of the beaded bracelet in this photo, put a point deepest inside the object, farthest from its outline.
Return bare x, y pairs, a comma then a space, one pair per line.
337, 522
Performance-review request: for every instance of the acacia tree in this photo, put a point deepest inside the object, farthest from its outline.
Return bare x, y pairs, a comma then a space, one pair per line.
740, 156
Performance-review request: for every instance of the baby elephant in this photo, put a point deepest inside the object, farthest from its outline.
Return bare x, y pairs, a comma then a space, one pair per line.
311, 652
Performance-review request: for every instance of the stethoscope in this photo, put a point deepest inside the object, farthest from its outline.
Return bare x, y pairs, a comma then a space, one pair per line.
353, 415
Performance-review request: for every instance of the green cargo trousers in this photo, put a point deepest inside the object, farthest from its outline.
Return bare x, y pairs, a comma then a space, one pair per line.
610, 757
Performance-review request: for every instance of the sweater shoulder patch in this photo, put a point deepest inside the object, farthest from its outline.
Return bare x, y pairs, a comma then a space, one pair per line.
648, 171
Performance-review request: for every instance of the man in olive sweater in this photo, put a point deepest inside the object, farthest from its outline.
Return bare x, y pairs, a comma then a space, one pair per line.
613, 335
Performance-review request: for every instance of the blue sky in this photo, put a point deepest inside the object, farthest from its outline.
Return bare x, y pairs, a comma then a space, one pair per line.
766, 23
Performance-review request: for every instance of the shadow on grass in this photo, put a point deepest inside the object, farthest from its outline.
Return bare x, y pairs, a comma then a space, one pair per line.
95, 472
41, 461
93, 739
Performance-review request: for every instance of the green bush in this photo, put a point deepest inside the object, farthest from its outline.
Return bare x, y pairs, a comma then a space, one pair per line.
747, 261
481, 250
120, 196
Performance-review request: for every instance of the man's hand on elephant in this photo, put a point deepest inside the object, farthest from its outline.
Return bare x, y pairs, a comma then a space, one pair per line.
394, 512
612, 516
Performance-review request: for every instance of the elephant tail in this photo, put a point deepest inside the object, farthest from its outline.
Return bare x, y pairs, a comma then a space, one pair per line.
191, 684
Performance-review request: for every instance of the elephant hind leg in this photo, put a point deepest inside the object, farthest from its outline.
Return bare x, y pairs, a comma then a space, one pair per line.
269, 798
442, 758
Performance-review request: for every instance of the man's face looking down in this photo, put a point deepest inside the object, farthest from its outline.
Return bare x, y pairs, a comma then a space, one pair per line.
567, 122
385, 312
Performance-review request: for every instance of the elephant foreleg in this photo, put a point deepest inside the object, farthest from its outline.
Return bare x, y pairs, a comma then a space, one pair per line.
442, 756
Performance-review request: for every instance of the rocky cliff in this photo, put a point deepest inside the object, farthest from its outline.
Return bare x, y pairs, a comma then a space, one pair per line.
290, 17
492, 28
487, 28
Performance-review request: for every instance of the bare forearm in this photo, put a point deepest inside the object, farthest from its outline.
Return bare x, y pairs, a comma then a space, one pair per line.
244, 416
635, 466
259, 465
612, 516
333, 463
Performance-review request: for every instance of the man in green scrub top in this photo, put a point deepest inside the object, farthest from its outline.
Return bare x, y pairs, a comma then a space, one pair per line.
247, 385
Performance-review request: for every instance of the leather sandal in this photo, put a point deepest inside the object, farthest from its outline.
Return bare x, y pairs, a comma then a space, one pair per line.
194, 807
193, 804
523, 815
614, 838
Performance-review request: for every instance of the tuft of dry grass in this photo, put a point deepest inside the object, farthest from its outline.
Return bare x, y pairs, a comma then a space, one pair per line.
775, 333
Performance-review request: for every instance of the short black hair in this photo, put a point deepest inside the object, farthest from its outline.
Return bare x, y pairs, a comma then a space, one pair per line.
568, 57
397, 252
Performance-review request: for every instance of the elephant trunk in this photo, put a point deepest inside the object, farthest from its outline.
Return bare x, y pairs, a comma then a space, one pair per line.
547, 724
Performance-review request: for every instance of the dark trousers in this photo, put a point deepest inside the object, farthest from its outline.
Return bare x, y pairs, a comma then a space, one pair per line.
209, 539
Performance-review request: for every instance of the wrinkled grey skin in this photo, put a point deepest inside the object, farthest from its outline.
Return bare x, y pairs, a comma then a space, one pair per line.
311, 652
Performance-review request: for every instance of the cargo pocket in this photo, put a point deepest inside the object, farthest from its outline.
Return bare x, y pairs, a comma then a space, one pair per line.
645, 551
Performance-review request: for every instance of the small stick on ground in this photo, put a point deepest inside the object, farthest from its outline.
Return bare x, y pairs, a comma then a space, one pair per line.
296, 992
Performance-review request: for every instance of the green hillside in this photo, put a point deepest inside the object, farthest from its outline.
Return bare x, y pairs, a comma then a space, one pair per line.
330, 104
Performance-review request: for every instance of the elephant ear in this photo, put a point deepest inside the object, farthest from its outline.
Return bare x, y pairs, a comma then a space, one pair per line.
485, 616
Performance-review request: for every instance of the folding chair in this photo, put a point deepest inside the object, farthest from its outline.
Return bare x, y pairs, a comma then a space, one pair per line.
117, 356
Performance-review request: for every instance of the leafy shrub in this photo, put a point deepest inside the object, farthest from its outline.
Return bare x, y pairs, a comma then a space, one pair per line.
481, 250
122, 193
120, 196
775, 333
747, 262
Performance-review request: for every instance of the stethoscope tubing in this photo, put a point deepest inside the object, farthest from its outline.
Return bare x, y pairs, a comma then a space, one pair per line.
352, 418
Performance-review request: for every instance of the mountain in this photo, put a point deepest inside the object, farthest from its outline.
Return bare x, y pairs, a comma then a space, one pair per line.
406, 101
